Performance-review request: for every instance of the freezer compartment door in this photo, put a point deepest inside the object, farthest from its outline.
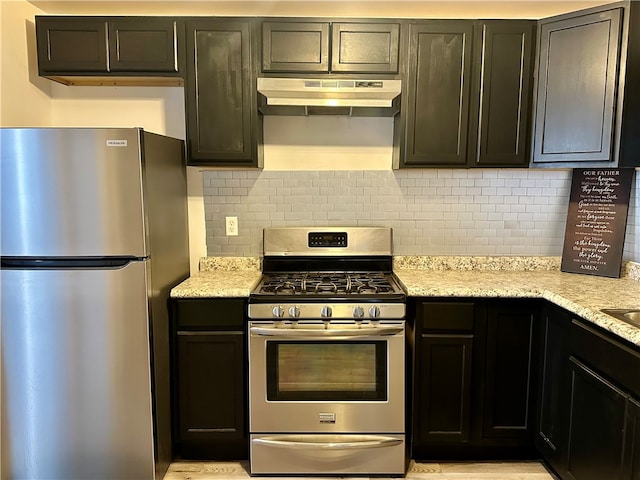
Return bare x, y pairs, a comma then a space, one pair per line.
71, 192
76, 365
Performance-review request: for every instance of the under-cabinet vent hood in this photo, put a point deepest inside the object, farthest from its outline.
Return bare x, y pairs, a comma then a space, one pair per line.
335, 96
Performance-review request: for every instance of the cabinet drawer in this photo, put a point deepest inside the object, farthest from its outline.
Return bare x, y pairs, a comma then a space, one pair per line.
456, 316
612, 358
228, 313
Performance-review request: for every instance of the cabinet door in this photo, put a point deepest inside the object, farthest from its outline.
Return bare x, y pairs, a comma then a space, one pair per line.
443, 411
443, 374
210, 384
220, 93
554, 386
295, 47
632, 442
437, 106
501, 93
365, 47
577, 81
143, 44
510, 366
596, 426
71, 44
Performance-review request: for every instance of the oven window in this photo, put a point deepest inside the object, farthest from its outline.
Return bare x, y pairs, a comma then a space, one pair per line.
327, 370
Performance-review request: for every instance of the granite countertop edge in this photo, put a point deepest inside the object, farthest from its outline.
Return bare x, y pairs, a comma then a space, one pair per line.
482, 277
582, 295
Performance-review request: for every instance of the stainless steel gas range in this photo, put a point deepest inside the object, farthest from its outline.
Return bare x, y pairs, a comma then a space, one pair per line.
327, 355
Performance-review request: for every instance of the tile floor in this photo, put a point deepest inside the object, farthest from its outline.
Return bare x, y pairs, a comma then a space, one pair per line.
416, 471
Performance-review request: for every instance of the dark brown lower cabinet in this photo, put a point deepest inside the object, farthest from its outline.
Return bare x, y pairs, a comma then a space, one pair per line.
444, 356
510, 366
596, 426
474, 379
210, 389
445, 406
209, 356
632, 442
604, 429
553, 387
588, 424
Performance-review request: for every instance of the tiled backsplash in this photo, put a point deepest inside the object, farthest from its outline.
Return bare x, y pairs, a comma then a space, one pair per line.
432, 211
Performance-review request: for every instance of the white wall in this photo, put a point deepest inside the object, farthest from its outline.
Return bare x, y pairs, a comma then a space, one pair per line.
327, 143
324, 8
25, 98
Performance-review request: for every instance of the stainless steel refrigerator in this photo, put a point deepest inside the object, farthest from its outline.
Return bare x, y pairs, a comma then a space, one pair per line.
93, 236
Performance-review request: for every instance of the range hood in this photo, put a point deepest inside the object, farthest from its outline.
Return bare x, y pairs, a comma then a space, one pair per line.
295, 96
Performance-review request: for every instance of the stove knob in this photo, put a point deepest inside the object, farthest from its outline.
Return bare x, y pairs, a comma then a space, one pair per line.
326, 312
374, 312
278, 312
294, 312
358, 312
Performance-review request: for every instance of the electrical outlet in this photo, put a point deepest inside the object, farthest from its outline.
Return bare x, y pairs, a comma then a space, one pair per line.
231, 226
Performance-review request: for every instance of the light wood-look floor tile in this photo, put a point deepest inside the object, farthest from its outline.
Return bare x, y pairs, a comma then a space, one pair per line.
417, 471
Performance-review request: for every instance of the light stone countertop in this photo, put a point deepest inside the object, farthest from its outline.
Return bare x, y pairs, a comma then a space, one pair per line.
221, 277
218, 283
583, 295
484, 277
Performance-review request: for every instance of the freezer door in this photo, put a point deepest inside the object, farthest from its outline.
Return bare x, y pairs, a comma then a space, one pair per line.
71, 192
76, 365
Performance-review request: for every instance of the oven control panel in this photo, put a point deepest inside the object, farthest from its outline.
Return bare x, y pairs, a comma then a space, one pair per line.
327, 239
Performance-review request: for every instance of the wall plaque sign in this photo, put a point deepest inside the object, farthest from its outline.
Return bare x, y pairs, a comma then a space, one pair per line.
596, 221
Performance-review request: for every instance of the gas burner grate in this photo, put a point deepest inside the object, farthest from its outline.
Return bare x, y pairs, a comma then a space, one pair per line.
326, 283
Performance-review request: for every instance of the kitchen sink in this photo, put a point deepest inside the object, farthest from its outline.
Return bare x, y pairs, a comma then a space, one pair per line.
631, 316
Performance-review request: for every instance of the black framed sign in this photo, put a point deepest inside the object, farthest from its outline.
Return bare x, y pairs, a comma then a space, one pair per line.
596, 221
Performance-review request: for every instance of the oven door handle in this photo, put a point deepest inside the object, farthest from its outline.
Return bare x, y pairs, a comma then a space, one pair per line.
303, 332
367, 441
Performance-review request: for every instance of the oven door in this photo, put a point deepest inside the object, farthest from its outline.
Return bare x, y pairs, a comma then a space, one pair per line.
340, 378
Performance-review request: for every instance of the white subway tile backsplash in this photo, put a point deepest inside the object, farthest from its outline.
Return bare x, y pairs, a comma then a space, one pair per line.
432, 211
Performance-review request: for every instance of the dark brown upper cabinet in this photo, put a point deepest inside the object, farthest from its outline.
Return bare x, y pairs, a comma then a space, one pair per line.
71, 44
143, 46
295, 46
323, 47
501, 94
223, 125
587, 104
439, 82
365, 47
82, 50
577, 85
469, 93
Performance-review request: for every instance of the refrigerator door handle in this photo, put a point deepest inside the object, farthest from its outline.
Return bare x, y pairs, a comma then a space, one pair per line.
56, 263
